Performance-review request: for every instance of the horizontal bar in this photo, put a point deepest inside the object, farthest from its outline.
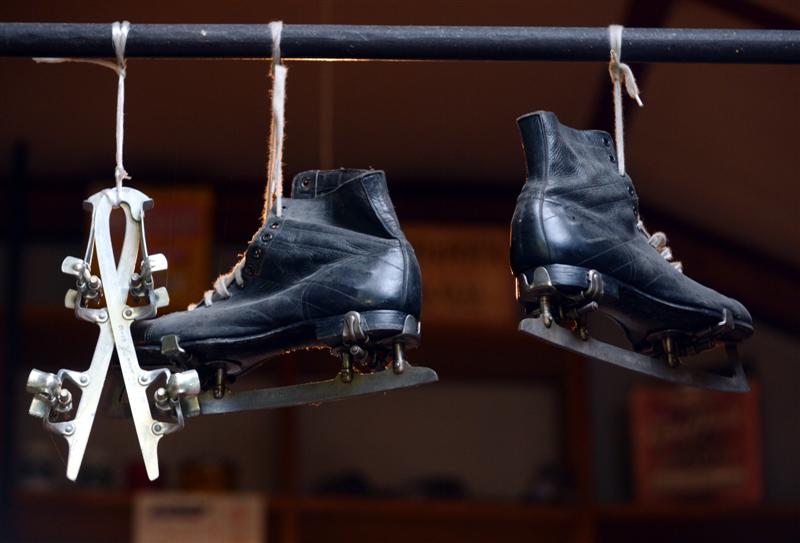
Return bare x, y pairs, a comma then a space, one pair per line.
403, 42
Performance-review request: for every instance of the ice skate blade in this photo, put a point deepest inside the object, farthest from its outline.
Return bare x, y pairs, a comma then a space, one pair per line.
312, 393
598, 350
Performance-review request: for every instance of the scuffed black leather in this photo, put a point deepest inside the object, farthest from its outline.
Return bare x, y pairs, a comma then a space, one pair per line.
336, 248
575, 209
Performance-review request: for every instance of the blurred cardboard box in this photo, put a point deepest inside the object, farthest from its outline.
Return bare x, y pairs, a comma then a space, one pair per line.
172, 517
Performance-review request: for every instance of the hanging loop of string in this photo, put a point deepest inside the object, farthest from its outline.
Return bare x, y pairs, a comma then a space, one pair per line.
119, 37
620, 73
278, 72
274, 191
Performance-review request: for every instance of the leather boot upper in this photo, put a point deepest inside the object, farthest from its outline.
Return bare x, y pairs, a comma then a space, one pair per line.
576, 209
336, 247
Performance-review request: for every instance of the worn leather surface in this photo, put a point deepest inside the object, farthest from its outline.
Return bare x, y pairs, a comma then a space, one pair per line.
336, 248
576, 209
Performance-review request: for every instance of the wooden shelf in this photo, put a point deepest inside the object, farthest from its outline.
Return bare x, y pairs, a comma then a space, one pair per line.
422, 508
706, 511
67, 516
334, 519
666, 523
88, 515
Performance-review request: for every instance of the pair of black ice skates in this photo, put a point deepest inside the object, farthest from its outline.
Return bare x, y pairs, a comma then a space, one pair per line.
335, 270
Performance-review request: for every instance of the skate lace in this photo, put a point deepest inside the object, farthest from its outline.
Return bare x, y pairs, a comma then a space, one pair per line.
222, 284
658, 241
274, 191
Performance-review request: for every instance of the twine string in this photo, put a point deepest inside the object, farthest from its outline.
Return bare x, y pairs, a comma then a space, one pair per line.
119, 38
620, 73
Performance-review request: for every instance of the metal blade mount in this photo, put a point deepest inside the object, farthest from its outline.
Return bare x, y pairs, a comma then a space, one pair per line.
654, 367
91, 383
116, 283
315, 392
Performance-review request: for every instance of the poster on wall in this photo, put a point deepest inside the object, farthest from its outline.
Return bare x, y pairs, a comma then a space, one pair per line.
695, 444
466, 278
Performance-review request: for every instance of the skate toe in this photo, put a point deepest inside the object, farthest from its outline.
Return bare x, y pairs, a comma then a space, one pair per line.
741, 318
148, 333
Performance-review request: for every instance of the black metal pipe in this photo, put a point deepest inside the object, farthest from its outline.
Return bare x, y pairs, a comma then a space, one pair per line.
403, 42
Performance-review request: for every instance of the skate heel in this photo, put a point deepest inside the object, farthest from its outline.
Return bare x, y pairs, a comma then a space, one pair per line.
371, 341
562, 294
378, 327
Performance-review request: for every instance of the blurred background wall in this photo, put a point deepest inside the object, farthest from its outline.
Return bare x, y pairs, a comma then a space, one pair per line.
713, 157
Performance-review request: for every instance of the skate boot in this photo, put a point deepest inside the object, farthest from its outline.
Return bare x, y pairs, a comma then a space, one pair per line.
578, 245
333, 270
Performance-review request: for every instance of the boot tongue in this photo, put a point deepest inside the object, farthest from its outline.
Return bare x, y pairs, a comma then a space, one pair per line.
313, 183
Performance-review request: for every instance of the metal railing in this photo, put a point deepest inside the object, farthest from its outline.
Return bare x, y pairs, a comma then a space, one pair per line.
343, 42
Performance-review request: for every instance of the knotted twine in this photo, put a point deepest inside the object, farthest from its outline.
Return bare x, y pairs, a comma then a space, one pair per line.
119, 37
620, 73
278, 71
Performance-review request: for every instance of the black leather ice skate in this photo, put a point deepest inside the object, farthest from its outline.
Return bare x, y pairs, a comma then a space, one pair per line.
333, 270
578, 245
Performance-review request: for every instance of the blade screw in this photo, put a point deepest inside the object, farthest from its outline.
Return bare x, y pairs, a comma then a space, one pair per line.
357, 352
347, 369
161, 396
219, 383
669, 350
399, 363
544, 309
64, 396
